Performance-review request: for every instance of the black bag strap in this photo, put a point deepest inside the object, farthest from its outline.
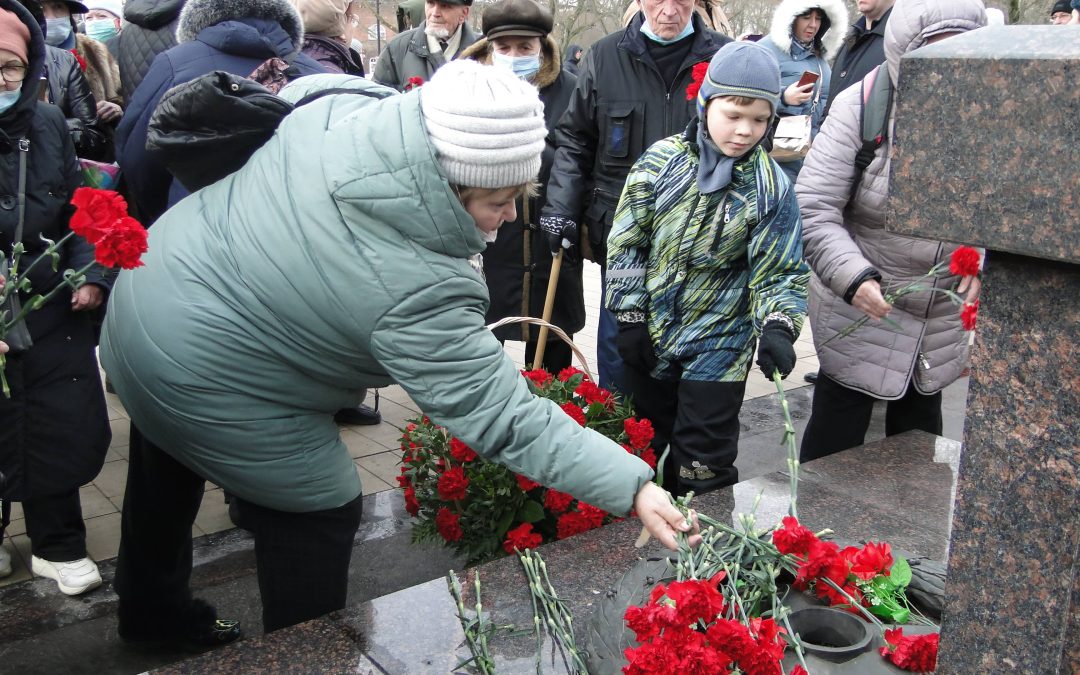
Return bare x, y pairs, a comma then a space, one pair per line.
877, 97
24, 151
316, 95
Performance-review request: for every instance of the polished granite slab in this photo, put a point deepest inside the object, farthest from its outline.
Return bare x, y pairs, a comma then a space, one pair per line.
898, 490
985, 148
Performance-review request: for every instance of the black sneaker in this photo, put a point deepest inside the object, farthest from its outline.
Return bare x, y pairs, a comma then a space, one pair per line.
811, 377
361, 415
197, 627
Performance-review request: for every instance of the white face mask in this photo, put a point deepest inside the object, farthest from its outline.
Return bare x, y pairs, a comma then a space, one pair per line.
488, 237
57, 31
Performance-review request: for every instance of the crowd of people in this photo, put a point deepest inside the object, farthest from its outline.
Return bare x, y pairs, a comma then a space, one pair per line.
387, 220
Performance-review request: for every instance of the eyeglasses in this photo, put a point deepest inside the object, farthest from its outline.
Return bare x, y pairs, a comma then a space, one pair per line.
354, 20
13, 72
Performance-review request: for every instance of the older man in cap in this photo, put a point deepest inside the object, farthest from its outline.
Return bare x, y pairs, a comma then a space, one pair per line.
419, 52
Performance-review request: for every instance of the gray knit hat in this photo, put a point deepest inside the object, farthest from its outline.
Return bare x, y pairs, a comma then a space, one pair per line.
741, 69
487, 125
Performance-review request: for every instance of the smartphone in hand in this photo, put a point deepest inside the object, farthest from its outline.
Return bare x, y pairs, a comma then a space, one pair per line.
808, 77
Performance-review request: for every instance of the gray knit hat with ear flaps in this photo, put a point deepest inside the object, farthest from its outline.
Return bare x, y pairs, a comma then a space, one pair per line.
487, 125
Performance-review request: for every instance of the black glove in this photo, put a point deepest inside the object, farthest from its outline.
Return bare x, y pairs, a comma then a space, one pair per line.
776, 350
635, 346
559, 232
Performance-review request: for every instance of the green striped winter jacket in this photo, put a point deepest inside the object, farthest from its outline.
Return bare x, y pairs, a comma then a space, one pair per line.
707, 269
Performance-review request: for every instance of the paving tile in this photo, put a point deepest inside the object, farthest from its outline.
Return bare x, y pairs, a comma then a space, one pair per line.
117, 452
386, 435
103, 536
16, 510
121, 431
371, 482
19, 547
16, 527
213, 513
385, 465
360, 446
112, 479
94, 502
395, 414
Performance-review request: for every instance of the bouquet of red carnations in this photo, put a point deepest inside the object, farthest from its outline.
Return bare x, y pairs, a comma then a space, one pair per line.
483, 509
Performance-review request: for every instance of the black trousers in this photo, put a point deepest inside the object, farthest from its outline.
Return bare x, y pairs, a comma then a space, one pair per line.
557, 355
302, 559
55, 527
839, 417
700, 420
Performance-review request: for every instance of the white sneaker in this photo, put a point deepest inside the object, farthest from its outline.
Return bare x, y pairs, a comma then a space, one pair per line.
5, 563
73, 578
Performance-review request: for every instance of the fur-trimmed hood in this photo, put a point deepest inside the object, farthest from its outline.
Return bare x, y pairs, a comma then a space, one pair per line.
198, 15
550, 60
788, 10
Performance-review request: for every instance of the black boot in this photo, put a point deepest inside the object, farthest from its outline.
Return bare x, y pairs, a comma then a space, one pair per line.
361, 415
197, 626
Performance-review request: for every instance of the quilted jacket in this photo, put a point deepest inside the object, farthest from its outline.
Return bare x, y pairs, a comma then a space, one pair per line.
149, 29
843, 237
336, 259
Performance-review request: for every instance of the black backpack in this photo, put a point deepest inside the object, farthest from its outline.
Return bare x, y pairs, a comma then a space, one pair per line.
207, 128
877, 97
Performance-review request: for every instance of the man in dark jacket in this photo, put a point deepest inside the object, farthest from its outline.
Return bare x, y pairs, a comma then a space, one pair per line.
236, 36
149, 29
863, 48
630, 93
572, 58
419, 52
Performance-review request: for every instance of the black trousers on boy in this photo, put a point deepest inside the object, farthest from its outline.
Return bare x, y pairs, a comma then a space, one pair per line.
55, 526
839, 417
699, 419
302, 559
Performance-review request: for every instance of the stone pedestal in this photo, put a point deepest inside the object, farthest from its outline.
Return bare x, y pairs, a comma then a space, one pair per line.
986, 154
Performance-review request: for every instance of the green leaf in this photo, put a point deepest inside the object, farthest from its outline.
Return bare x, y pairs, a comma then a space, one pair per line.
530, 512
900, 573
504, 523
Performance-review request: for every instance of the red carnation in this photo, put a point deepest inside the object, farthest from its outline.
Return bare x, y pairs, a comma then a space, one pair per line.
556, 501
526, 484
538, 377
566, 373
872, 560
461, 452
969, 314
403, 478
793, 537
697, 76
640, 432
447, 522
572, 523
121, 244
79, 58
452, 484
411, 505
964, 262
649, 456
695, 599
95, 210
917, 653
592, 514
574, 410
522, 537
592, 393
413, 82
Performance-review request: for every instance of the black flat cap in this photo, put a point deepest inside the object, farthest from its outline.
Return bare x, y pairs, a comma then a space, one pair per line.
525, 18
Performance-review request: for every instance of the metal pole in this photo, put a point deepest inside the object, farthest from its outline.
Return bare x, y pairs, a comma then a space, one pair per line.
378, 28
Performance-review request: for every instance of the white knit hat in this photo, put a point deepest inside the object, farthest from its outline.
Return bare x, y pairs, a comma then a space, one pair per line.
487, 125
114, 7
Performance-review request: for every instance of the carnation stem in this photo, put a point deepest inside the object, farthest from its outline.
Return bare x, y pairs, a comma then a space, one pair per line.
475, 630
854, 603
3, 378
789, 440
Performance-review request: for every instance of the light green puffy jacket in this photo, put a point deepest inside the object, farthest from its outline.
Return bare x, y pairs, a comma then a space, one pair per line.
336, 259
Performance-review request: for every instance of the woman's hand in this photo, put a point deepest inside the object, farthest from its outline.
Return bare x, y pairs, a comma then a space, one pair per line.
796, 95
3, 347
88, 297
869, 301
661, 518
109, 112
972, 285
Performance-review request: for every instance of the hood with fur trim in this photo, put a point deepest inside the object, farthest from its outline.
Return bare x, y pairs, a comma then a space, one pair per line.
913, 22
550, 60
198, 15
789, 10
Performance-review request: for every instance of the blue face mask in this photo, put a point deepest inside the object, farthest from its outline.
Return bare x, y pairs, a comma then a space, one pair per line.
57, 31
8, 99
101, 29
522, 66
647, 31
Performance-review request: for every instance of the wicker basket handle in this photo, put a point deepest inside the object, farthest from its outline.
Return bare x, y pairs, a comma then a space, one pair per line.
551, 327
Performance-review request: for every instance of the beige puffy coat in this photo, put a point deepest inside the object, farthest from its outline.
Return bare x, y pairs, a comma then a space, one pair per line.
844, 237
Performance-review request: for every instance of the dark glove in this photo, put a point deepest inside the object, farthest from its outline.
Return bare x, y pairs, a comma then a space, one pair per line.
635, 346
776, 350
559, 232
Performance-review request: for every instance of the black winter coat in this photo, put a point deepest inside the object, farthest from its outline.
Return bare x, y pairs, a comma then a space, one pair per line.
620, 106
54, 430
517, 265
70, 91
862, 51
150, 29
